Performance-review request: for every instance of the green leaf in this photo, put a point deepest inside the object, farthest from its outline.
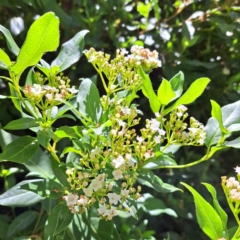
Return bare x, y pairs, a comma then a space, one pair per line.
88, 100
148, 91
15, 98
149, 179
71, 51
17, 197
12, 46
165, 92
58, 220
31, 77
207, 217
40, 164
159, 161
217, 113
43, 36
177, 84
3, 229
222, 214
234, 143
6, 138
22, 123
154, 206
5, 61
66, 132
43, 137
21, 222
20, 150
230, 119
45, 188
193, 92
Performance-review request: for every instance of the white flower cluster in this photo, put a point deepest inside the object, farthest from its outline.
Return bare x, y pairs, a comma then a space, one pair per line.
60, 89
233, 188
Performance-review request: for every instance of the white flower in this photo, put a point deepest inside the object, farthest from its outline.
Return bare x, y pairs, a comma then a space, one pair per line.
237, 170
157, 139
83, 200
36, 89
88, 191
128, 156
130, 162
161, 132
100, 177
96, 185
114, 132
154, 125
126, 110
118, 162
112, 212
103, 210
114, 198
71, 199
121, 123
49, 96
72, 90
94, 152
123, 51
117, 174
139, 139
125, 192
147, 155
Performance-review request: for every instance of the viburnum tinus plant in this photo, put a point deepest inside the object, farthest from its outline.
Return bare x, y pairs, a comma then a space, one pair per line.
98, 173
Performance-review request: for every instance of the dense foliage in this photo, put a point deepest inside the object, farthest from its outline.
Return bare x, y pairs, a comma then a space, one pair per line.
200, 38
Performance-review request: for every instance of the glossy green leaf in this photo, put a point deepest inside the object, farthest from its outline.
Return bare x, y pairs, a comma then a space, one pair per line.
149, 179
88, 100
20, 150
17, 197
154, 206
177, 84
222, 214
6, 138
193, 92
49, 204
21, 222
208, 219
217, 113
44, 137
231, 121
12, 46
30, 77
5, 61
71, 51
40, 164
43, 36
148, 91
66, 132
234, 143
165, 92
159, 161
58, 220
45, 188
22, 123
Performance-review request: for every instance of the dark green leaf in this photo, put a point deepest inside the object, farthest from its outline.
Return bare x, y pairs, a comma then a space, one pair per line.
20, 150
71, 51
148, 178
40, 164
58, 220
21, 222
88, 100
44, 137
22, 123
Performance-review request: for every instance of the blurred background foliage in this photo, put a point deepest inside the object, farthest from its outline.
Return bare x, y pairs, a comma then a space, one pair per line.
198, 37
